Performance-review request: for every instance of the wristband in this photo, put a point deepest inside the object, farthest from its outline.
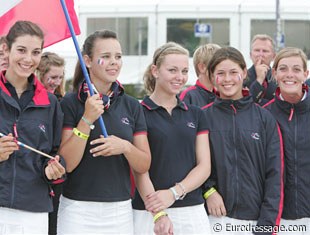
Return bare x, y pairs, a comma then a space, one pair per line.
91, 126
159, 215
80, 134
209, 193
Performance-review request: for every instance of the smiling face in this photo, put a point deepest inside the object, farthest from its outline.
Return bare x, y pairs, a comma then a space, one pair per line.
106, 62
4, 60
290, 75
53, 78
172, 74
228, 79
24, 56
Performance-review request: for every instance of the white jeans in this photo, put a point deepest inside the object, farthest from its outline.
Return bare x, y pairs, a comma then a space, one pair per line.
225, 225
189, 220
13, 221
295, 227
83, 217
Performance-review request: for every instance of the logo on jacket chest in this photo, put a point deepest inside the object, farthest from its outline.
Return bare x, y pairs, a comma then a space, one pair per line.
255, 136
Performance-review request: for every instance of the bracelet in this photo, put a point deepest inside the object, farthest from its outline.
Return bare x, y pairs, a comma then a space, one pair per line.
175, 194
209, 193
80, 134
91, 126
159, 215
183, 190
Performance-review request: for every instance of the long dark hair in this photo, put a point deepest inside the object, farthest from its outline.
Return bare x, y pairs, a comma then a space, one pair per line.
21, 28
87, 49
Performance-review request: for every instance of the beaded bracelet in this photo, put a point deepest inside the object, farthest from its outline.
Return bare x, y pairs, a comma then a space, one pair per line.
159, 215
80, 134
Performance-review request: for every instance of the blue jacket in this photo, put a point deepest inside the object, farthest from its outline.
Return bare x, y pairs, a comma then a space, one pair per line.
260, 94
294, 122
23, 184
247, 161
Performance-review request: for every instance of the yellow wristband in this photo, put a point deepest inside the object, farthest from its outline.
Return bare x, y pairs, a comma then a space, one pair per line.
158, 215
209, 193
80, 134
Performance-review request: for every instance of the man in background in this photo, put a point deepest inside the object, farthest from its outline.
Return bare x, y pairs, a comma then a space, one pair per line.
260, 82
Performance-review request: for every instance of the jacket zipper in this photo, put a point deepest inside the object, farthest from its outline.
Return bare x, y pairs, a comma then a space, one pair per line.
236, 160
14, 165
295, 166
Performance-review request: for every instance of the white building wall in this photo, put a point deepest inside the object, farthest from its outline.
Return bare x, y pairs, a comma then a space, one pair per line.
239, 12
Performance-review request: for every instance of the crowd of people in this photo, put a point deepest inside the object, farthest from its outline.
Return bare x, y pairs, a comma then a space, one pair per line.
230, 150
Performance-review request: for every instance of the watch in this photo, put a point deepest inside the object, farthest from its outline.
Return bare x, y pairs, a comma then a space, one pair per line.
91, 126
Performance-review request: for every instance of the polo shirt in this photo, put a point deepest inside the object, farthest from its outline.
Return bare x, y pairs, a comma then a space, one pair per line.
197, 95
172, 141
103, 179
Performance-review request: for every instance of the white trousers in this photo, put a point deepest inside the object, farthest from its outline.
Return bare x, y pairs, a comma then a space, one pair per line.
295, 227
225, 225
13, 221
83, 217
190, 220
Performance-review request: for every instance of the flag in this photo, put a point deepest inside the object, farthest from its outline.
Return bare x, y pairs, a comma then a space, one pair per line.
48, 14
7, 5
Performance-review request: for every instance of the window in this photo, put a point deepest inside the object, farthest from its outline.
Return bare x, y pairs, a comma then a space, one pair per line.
296, 32
182, 31
131, 32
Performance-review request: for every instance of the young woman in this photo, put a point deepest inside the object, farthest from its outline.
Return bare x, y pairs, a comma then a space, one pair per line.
51, 72
31, 115
245, 187
96, 195
180, 152
291, 108
4, 62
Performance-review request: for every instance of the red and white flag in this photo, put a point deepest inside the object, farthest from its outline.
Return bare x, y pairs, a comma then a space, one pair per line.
48, 14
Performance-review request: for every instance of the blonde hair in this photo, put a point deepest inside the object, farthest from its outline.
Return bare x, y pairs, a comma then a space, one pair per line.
203, 54
290, 52
48, 60
263, 37
158, 58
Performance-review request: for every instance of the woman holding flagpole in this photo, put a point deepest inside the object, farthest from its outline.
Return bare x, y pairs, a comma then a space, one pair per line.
28, 114
96, 195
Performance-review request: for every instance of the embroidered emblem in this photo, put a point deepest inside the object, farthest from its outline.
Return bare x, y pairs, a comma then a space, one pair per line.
191, 125
42, 127
125, 121
255, 136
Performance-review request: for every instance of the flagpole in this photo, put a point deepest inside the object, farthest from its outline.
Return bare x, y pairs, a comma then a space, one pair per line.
90, 87
30, 148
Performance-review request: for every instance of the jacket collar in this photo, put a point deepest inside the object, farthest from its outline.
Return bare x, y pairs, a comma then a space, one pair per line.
300, 107
236, 105
40, 93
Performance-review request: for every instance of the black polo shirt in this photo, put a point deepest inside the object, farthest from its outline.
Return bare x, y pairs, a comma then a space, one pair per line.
197, 95
103, 179
172, 141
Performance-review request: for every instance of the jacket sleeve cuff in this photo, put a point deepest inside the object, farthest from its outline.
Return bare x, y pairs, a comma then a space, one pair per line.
256, 90
57, 181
